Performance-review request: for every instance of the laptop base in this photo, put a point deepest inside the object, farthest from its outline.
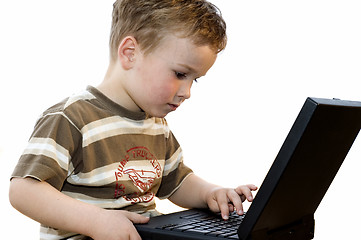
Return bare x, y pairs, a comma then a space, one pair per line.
300, 230
155, 228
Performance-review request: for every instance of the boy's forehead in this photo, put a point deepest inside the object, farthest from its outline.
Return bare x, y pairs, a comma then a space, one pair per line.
178, 44
183, 52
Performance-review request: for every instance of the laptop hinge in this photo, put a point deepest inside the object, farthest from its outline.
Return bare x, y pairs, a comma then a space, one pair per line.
302, 229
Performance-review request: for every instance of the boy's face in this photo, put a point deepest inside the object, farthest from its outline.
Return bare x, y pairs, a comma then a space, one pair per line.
161, 80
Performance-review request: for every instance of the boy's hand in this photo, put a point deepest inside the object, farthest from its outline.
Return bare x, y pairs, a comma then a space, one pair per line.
194, 192
117, 225
226, 200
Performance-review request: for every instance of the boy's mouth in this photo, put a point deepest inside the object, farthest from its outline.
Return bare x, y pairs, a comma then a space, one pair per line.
173, 107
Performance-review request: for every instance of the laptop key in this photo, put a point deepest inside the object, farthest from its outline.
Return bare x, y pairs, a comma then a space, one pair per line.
168, 226
225, 235
214, 233
195, 230
194, 215
183, 228
235, 236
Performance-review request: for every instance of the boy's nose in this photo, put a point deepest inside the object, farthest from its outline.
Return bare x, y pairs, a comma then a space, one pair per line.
185, 90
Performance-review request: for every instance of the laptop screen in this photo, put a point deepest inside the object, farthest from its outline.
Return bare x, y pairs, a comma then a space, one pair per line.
304, 168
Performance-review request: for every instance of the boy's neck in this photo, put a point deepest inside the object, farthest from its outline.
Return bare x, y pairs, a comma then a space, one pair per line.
112, 87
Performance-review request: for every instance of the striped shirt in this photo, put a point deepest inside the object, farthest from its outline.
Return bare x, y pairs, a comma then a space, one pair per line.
96, 151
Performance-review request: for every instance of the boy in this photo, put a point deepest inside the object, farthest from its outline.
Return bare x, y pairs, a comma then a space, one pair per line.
96, 160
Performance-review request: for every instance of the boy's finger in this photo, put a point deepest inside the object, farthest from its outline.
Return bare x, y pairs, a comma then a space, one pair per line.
230, 207
251, 187
224, 211
246, 190
223, 206
236, 201
136, 218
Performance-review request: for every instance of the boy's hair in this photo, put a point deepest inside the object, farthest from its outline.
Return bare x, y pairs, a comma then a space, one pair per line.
149, 21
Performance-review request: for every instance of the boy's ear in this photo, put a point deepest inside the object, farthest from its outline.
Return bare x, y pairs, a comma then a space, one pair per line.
126, 52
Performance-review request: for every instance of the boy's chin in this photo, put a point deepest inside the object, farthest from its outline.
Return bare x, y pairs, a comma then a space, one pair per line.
158, 114
159, 111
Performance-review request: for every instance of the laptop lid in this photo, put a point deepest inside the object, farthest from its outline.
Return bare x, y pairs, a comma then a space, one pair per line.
304, 168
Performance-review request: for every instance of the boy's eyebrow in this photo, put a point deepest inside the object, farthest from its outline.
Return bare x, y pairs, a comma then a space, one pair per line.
191, 69
186, 66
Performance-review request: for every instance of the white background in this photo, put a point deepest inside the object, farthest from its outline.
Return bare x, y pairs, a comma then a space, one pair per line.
279, 53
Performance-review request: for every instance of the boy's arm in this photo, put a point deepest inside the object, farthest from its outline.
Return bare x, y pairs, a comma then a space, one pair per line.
197, 193
45, 204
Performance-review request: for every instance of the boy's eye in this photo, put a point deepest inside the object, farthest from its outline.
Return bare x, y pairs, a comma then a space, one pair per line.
180, 75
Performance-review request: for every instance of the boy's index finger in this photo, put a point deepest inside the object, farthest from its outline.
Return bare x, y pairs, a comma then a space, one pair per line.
223, 205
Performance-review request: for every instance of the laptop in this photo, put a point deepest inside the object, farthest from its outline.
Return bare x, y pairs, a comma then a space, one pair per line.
293, 188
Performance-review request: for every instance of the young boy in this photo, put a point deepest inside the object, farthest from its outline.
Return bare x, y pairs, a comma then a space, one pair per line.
96, 160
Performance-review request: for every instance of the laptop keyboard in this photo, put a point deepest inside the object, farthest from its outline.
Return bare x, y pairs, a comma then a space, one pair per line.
211, 225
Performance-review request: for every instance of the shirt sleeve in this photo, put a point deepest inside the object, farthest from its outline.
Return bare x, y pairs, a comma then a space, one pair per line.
175, 171
49, 151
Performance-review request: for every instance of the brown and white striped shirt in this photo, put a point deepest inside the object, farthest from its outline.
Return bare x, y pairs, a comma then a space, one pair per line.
96, 151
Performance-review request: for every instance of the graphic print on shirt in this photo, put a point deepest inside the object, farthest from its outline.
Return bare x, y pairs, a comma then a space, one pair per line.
142, 176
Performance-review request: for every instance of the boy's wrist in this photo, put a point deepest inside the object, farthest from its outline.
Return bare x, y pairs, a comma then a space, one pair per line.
95, 221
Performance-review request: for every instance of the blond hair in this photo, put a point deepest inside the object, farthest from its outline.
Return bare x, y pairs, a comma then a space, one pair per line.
148, 21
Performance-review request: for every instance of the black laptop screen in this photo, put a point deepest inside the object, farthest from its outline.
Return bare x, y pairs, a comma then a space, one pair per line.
304, 168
